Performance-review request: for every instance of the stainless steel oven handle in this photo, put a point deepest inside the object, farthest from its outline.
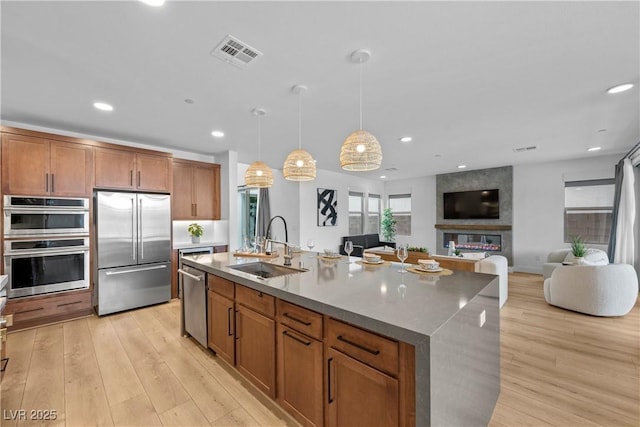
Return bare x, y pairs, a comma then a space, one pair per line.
193, 276
157, 267
24, 254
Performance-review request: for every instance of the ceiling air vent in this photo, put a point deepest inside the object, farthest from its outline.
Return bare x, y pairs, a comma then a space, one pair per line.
523, 149
236, 52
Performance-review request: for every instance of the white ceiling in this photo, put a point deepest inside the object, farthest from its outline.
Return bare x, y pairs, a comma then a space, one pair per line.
469, 81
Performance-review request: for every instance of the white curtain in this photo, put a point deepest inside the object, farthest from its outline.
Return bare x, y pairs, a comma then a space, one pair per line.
624, 249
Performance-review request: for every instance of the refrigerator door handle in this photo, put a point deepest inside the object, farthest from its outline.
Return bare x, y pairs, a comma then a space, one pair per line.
157, 267
133, 234
141, 231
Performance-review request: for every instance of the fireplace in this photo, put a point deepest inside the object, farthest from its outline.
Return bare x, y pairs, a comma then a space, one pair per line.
474, 241
492, 239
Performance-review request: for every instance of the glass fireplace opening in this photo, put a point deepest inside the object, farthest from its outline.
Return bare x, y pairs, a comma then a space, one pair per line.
477, 242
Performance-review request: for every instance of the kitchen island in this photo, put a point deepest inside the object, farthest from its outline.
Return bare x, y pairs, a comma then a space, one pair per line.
451, 323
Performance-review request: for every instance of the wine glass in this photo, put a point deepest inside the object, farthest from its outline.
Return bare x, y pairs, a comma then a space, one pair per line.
310, 244
260, 241
252, 244
402, 254
348, 248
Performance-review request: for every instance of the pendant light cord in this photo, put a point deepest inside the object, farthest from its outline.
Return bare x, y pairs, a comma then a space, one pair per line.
360, 93
259, 133
300, 120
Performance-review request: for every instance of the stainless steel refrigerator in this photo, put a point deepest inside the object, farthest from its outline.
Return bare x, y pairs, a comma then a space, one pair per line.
133, 248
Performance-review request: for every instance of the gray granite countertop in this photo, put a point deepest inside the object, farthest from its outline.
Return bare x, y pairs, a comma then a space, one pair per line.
405, 306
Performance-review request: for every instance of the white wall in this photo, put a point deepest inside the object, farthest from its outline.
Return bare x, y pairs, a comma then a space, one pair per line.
538, 206
423, 209
297, 202
228, 184
330, 237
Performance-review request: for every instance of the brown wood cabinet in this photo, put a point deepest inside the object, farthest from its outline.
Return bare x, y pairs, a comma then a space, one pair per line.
221, 317
328, 373
36, 310
256, 349
196, 193
130, 170
300, 363
42, 167
359, 395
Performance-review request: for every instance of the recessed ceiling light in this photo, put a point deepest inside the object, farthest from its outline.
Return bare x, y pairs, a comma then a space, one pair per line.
217, 133
153, 2
406, 139
462, 166
594, 149
383, 176
620, 88
103, 106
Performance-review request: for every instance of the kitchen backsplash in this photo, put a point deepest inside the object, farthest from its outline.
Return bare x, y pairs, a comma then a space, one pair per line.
214, 231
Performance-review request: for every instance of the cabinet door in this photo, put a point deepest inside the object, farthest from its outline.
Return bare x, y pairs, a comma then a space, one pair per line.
358, 395
203, 192
182, 194
300, 376
25, 165
221, 326
255, 349
114, 168
71, 166
153, 173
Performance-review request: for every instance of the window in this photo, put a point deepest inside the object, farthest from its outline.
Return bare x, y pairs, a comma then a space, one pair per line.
247, 211
588, 207
373, 213
400, 204
356, 213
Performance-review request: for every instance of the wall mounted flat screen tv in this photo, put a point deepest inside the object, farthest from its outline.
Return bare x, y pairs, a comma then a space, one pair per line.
480, 204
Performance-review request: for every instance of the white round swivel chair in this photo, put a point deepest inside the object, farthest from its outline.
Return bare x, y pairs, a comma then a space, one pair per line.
599, 290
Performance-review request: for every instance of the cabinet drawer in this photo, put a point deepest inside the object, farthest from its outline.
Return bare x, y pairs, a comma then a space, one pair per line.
370, 348
221, 286
256, 300
300, 319
24, 309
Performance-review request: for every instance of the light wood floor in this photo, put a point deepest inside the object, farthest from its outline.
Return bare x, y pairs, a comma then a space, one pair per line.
558, 369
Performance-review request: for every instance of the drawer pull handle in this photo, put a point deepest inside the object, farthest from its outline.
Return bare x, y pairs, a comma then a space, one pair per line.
295, 319
260, 294
69, 303
329, 379
4, 363
286, 333
29, 311
360, 346
229, 310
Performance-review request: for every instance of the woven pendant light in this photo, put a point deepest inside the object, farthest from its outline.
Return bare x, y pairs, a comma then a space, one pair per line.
299, 164
258, 174
361, 150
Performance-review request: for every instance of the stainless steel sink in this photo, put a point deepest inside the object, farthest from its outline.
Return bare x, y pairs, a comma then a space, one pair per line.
266, 270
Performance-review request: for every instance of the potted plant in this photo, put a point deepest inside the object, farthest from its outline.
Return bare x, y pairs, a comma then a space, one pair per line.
388, 225
196, 231
578, 249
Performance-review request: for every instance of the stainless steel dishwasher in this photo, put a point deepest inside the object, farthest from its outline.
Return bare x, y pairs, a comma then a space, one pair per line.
194, 303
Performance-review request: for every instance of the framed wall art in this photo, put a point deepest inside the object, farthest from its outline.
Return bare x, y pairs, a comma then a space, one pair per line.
327, 207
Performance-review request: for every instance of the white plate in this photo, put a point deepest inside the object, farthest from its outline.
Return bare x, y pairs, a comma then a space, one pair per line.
432, 270
380, 261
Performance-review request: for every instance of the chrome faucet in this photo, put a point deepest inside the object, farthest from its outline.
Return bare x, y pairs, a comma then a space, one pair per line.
287, 252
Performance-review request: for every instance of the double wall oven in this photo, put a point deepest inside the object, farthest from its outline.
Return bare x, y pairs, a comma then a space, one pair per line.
46, 244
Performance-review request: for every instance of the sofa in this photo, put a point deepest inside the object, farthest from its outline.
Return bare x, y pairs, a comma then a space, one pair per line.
364, 241
599, 290
557, 257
